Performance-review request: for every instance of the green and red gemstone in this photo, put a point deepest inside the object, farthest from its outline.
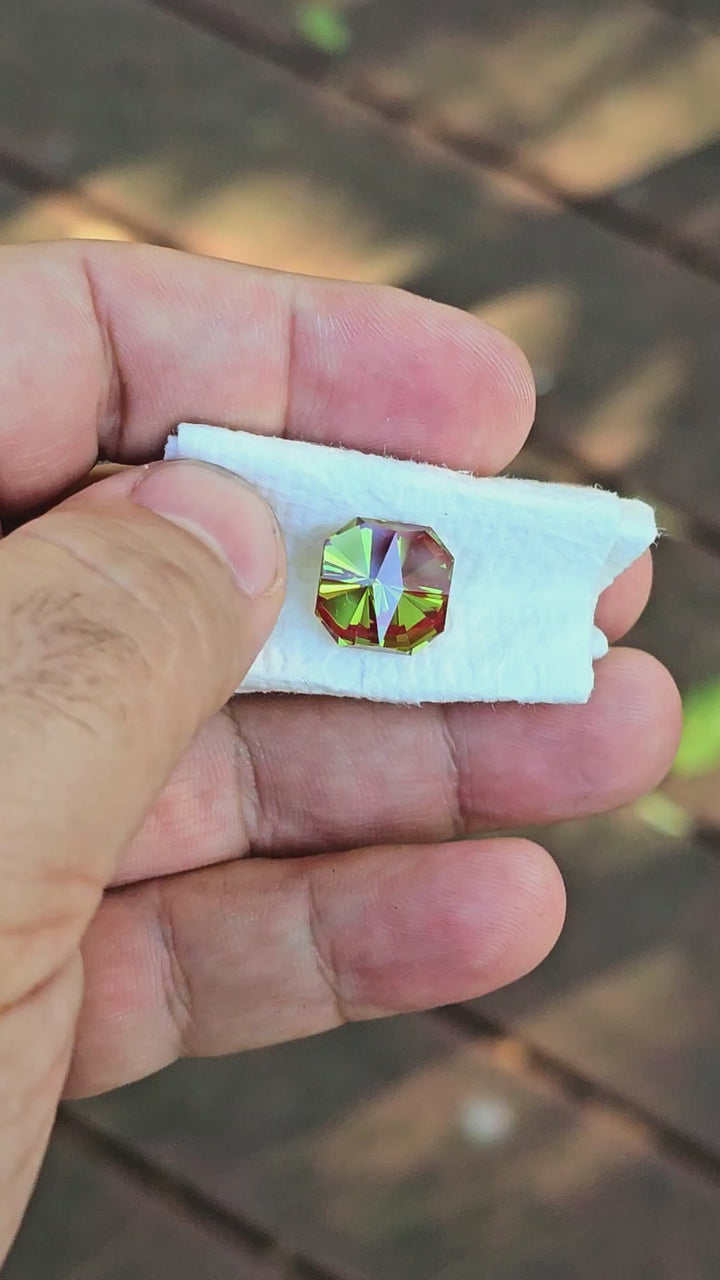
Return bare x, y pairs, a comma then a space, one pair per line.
384, 585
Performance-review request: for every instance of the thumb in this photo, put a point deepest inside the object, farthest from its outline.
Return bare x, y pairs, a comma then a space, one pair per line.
127, 617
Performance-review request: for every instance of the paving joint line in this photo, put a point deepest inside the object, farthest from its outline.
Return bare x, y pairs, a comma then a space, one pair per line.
35, 181
311, 66
182, 1197
572, 1084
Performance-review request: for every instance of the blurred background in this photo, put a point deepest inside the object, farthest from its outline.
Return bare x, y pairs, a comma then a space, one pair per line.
554, 166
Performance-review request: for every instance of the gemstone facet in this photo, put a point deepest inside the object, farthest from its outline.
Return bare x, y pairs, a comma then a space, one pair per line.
384, 585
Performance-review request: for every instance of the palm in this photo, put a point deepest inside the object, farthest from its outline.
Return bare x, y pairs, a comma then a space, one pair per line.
200, 948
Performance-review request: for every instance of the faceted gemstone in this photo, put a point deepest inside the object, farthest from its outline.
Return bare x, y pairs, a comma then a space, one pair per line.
384, 585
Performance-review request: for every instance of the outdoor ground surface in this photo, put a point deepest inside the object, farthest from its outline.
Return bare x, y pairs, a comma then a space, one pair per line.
553, 165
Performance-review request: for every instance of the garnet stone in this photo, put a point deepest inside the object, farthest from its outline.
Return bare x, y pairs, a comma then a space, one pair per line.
384, 585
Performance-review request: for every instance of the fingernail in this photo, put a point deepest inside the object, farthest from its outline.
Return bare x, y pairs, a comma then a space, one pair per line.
223, 511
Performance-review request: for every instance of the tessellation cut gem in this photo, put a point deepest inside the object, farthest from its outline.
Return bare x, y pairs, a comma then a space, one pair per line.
384, 585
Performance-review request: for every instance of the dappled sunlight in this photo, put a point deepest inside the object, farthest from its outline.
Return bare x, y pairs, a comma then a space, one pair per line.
541, 319
629, 421
57, 217
447, 1123
506, 77
637, 892
581, 1159
592, 96
273, 218
285, 222
153, 182
599, 149
400, 1130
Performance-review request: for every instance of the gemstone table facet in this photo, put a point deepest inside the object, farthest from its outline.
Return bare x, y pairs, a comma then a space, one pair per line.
384, 585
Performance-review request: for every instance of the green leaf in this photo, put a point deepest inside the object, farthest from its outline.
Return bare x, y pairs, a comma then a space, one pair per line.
323, 27
699, 750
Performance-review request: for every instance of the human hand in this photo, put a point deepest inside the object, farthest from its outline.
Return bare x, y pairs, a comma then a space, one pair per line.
123, 633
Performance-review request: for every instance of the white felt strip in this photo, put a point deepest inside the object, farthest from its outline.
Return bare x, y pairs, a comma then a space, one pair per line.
531, 559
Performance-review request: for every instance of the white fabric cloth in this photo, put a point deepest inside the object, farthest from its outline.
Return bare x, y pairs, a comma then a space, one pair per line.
531, 559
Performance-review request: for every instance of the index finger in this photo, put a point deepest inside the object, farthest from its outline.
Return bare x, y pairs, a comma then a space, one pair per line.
105, 347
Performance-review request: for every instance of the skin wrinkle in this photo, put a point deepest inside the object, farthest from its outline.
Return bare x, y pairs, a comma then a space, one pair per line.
62, 923
63, 1050
112, 408
176, 986
161, 566
48, 941
290, 343
299, 805
57, 711
246, 783
322, 951
458, 822
83, 625
32, 1108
